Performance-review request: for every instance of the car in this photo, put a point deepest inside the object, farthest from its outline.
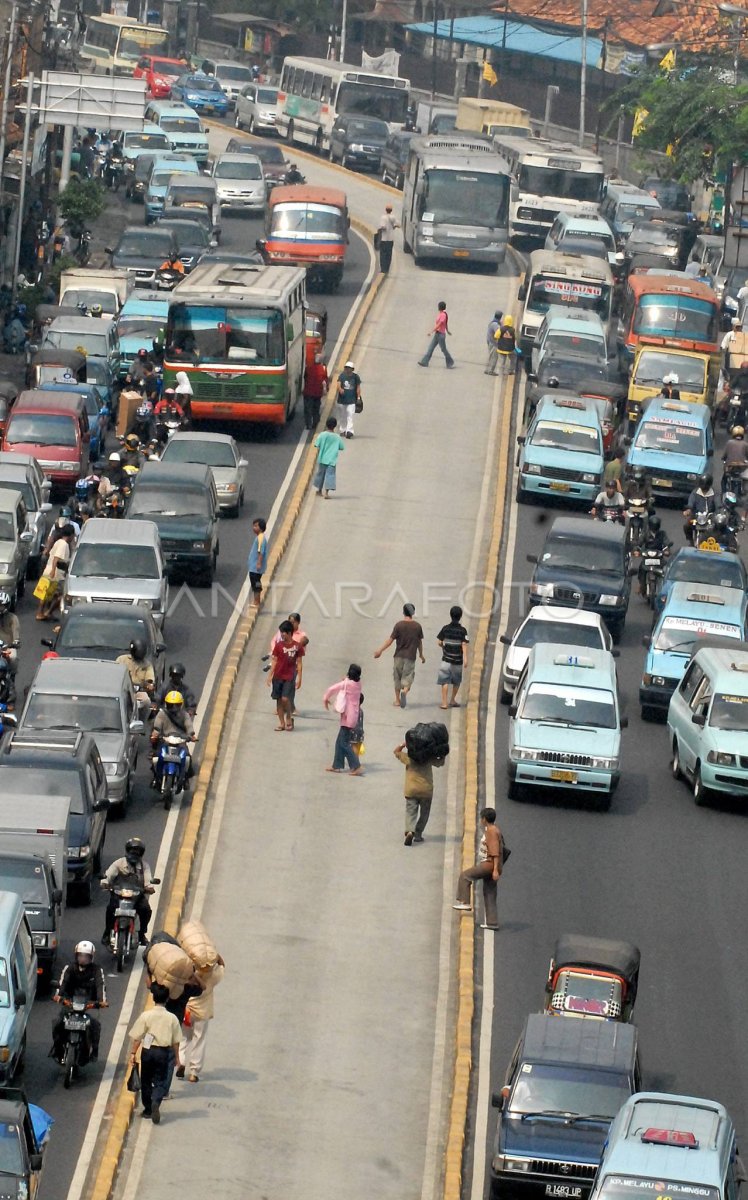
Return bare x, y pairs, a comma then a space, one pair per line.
358, 142
141, 251
136, 142
565, 723
22, 473
202, 92
564, 1085
582, 334
592, 977
54, 429
548, 623
218, 451
24, 1133
681, 1146
118, 562
653, 363
104, 631
275, 165
673, 442
231, 75
194, 239
623, 206
568, 226
97, 337
63, 763
256, 108
198, 195
181, 500
142, 320
655, 237
159, 74
181, 124
692, 613
561, 455
20, 971
161, 170
395, 157
669, 193
240, 182
567, 372
96, 409
707, 723
136, 176
710, 567
584, 564
609, 400
15, 542
90, 696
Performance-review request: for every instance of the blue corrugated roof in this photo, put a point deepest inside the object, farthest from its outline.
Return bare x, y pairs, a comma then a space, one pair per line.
520, 38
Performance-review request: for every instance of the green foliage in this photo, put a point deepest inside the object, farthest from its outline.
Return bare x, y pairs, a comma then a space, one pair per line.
81, 203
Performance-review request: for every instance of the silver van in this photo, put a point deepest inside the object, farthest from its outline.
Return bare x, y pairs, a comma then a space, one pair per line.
623, 206
22, 473
18, 977
15, 540
90, 697
121, 561
195, 192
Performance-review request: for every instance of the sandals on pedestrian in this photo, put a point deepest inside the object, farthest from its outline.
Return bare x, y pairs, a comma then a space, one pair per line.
289, 726
280, 729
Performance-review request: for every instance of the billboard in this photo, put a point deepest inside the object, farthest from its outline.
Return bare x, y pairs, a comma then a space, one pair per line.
95, 101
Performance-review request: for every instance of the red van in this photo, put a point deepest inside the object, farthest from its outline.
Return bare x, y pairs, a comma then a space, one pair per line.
53, 427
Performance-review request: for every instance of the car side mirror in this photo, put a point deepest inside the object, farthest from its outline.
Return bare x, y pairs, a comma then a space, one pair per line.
512, 710
497, 1100
137, 727
243, 462
710, 452
20, 998
521, 439
260, 245
159, 648
155, 880
505, 639
646, 641
615, 653
531, 558
522, 292
623, 723
35, 1161
45, 507
57, 895
100, 805
108, 250
627, 441
47, 642
532, 377
26, 536
698, 719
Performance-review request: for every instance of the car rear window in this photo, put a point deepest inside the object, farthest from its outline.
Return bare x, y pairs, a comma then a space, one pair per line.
28, 779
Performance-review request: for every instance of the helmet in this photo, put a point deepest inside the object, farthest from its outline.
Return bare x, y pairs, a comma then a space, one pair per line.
85, 947
96, 310
5, 602
639, 474
654, 523
705, 482
730, 499
553, 381
142, 353
738, 431
671, 378
132, 440
720, 521
134, 849
509, 322
170, 393
114, 457
138, 649
610, 483
177, 670
66, 511
174, 699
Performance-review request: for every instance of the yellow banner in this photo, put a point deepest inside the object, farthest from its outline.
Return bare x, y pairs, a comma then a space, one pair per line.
489, 74
640, 116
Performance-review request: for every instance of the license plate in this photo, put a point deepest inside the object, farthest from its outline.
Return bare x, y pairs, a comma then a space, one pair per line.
651, 562
77, 1023
559, 487
460, 254
564, 777
567, 1190
208, 108
662, 483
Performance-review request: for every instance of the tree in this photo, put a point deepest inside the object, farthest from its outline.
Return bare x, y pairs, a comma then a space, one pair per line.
82, 202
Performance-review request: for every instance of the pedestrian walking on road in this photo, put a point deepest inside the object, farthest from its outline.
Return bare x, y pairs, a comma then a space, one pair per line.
348, 698
299, 635
407, 636
387, 226
198, 1014
506, 346
258, 559
439, 335
493, 353
487, 869
328, 446
157, 1035
316, 383
348, 398
284, 676
453, 639
419, 792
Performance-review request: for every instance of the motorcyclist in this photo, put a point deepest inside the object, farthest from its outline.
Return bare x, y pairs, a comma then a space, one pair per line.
176, 683
167, 408
81, 976
172, 720
133, 872
137, 370
87, 501
131, 454
139, 667
723, 533
173, 263
112, 163
656, 542
113, 477
10, 632
609, 498
293, 174
730, 508
638, 487
7, 685
701, 500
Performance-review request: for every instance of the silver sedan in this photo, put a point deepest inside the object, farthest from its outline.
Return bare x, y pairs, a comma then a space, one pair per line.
218, 451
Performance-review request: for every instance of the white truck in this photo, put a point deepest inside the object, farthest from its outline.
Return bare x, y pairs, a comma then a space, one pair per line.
34, 838
492, 117
90, 290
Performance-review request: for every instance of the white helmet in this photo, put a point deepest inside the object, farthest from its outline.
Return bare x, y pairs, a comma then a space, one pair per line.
85, 947
114, 457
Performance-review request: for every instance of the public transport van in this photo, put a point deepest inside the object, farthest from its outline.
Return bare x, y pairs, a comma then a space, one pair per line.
53, 427
314, 92
573, 281
182, 126
112, 45
673, 443
307, 227
549, 178
668, 310
238, 332
624, 206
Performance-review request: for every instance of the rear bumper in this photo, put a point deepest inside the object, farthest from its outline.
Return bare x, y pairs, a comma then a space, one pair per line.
586, 779
270, 414
562, 489
492, 253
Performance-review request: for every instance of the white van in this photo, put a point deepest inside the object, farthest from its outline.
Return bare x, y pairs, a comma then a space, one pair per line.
120, 561
570, 281
566, 225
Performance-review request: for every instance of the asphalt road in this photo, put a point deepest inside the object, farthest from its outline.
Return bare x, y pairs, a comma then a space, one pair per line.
654, 870
193, 639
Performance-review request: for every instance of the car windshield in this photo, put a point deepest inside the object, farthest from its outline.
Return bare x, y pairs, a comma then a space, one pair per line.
736, 279
88, 297
191, 193
162, 502
566, 1089
41, 429
29, 499
73, 339
562, 554
253, 336
669, 194
307, 222
364, 129
679, 317
569, 705
190, 450
670, 437
237, 170
629, 1187
234, 71
575, 343
201, 83
652, 367
92, 714
570, 373
633, 212
161, 177
181, 124
563, 633
266, 154
729, 713
372, 100
169, 70
588, 235
267, 95
653, 234
11, 1155
7, 529
97, 559
144, 243
146, 141
681, 634
561, 183
98, 372
594, 246
143, 329
554, 435
457, 196
707, 568
26, 878
189, 233
28, 779
572, 293
87, 628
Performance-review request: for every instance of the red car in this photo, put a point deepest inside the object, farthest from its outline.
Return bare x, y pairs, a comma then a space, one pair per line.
159, 74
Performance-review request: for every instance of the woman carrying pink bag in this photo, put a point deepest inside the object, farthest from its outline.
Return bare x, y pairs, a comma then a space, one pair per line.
348, 698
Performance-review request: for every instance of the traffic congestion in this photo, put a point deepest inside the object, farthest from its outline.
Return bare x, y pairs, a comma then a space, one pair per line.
151, 429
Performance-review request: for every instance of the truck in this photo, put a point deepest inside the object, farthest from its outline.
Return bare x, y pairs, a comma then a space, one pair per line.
34, 839
85, 288
492, 117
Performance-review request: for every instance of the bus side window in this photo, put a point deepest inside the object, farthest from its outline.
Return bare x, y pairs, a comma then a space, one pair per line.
291, 80
316, 87
284, 77
324, 91
306, 89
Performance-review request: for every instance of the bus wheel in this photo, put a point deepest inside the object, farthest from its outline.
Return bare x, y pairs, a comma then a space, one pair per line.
318, 142
289, 133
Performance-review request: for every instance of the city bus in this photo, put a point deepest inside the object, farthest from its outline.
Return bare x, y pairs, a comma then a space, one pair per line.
455, 199
238, 332
112, 45
314, 92
307, 227
668, 310
576, 281
549, 178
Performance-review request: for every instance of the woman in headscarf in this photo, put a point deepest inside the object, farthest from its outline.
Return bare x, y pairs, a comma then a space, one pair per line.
184, 394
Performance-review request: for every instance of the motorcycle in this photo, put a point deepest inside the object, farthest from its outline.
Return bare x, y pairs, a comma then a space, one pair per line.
82, 248
9, 651
727, 526
701, 527
113, 172
653, 570
170, 766
114, 504
142, 425
167, 279
733, 481
76, 1051
8, 720
638, 522
168, 422
607, 512
123, 937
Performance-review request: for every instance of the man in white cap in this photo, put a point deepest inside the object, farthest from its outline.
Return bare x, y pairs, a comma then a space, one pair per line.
349, 394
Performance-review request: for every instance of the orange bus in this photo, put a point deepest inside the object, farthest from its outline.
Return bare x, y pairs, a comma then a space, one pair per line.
668, 310
307, 227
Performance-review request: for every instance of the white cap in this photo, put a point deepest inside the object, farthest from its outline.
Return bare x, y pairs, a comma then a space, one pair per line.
350, 364
671, 378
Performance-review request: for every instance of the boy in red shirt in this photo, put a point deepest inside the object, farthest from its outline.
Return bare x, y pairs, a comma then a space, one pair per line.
316, 383
285, 675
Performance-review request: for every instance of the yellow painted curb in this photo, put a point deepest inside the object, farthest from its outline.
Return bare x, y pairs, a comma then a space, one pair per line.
122, 1108
463, 1055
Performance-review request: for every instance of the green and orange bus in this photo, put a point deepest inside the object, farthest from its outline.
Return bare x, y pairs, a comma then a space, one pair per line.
668, 310
307, 226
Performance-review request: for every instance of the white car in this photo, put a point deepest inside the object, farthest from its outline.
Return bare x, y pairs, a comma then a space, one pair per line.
218, 451
549, 623
256, 108
240, 182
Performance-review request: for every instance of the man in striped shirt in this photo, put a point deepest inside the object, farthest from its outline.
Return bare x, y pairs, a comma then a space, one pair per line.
453, 639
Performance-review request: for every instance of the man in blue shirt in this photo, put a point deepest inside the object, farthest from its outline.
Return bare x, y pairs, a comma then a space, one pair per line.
258, 558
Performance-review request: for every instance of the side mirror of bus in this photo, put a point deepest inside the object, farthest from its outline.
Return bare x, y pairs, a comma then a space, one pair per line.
522, 292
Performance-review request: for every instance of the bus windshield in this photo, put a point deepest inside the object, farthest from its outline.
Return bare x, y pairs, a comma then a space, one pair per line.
215, 334
653, 365
137, 40
307, 222
679, 317
566, 185
574, 293
462, 197
389, 104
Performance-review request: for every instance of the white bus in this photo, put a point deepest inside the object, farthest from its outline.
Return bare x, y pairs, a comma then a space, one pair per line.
112, 45
549, 178
314, 92
455, 199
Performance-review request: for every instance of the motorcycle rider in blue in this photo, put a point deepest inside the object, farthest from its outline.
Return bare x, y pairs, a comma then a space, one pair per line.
173, 719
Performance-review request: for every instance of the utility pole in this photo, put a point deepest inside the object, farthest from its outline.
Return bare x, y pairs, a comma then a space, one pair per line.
343, 25
583, 75
24, 173
12, 30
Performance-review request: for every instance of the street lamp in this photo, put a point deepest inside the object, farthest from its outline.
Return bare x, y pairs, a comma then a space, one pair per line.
583, 75
735, 13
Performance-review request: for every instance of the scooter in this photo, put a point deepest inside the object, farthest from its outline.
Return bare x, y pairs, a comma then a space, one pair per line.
170, 766
653, 566
76, 1051
168, 422
637, 526
701, 527
113, 172
123, 937
166, 279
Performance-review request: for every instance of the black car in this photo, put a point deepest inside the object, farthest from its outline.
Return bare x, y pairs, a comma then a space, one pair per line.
65, 762
566, 1081
182, 501
104, 631
22, 1145
271, 155
358, 142
669, 193
584, 564
567, 372
141, 251
395, 157
656, 237
136, 175
193, 238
